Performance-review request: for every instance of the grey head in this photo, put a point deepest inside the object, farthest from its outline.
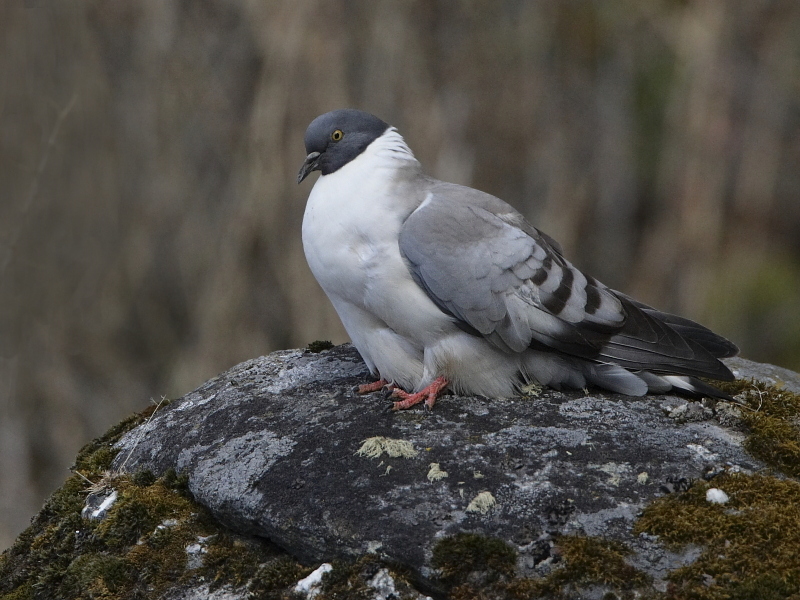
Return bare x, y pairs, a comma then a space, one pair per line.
335, 138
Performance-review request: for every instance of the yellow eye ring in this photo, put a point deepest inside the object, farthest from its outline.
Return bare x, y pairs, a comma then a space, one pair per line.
337, 135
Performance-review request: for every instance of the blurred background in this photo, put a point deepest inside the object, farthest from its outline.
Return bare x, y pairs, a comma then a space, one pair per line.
150, 219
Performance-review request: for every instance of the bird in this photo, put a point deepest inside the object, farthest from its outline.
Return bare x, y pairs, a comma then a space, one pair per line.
443, 287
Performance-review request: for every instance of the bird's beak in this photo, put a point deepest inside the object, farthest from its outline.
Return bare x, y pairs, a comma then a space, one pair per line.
311, 164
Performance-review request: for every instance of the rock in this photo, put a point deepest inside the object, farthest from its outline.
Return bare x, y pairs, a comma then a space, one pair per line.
98, 504
770, 374
271, 447
310, 585
203, 592
385, 589
728, 414
716, 496
551, 494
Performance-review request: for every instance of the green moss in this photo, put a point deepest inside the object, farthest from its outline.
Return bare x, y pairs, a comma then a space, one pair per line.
23, 592
461, 556
273, 579
588, 561
773, 417
75, 558
47, 545
138, 550
97, 456
751, 544
465, 560
595, 560
350, 580
234, 561
345, 581
319, 346
138, 511
143, 478
177, 482
94, 574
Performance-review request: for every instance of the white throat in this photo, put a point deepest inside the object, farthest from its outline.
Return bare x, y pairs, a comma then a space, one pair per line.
391, 146
370, 184
351, 228
354, 215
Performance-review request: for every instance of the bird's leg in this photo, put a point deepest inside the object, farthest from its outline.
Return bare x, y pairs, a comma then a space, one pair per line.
368, 388
428, 394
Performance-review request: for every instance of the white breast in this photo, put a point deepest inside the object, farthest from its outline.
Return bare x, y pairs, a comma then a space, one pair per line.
348, 229
350, 237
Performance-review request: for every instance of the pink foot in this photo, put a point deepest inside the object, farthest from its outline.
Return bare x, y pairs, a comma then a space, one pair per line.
368, 388
428, 394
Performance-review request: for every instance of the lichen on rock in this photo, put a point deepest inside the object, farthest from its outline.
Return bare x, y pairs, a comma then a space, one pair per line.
253, 480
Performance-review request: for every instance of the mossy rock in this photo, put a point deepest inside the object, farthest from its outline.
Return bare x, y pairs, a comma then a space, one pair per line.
157, 538
751, 544
139, 550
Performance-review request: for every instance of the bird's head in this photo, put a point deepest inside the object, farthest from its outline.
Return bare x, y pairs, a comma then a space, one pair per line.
335, 138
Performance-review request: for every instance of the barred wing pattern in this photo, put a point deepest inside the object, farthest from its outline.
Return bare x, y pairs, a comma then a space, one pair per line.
500, 278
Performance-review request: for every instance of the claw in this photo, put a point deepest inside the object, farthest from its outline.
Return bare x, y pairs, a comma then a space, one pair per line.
427, 394
368, 388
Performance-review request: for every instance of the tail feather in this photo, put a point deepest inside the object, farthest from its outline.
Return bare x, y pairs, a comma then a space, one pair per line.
638, 383
714, 344
655, 383
615, 379
695, 387
652, 351
666, 344
558, 370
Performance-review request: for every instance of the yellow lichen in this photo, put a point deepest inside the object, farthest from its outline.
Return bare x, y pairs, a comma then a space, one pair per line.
435, 473
374, 447
482, 503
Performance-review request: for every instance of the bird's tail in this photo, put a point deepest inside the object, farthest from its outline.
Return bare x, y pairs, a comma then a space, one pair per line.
559, 371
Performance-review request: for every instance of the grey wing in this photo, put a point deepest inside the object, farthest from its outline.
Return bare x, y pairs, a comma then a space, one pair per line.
501, 278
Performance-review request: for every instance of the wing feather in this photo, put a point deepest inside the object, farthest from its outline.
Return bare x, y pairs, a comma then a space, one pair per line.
499, 277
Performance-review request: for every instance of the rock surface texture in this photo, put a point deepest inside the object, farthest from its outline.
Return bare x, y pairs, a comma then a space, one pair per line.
281, 447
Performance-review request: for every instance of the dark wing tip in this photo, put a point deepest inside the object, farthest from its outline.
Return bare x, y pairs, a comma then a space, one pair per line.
667, 344
701, 388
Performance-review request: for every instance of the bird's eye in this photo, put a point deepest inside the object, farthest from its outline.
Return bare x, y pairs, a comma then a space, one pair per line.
337, 135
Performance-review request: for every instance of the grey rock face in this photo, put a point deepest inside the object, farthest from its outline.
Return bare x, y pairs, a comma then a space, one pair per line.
777, 376
272, 448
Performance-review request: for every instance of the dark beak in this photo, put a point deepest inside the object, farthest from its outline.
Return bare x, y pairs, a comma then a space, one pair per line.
311, 164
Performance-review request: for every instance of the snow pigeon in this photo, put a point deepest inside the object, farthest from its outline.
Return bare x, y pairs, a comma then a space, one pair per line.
442, 286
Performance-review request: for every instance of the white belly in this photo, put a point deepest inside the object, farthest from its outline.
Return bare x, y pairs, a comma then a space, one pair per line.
350, 242
350, 238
